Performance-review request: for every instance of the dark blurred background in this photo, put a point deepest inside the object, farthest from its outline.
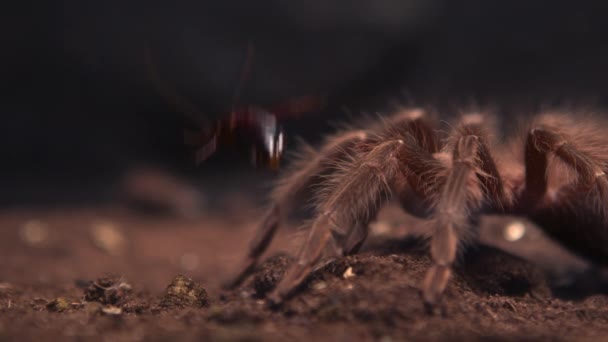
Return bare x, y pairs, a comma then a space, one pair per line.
79, 110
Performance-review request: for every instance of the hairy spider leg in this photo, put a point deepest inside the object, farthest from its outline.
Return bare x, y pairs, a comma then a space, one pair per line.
353, 200
416, 123
540, 144
577, 212
305, 174
472, 179
286, 194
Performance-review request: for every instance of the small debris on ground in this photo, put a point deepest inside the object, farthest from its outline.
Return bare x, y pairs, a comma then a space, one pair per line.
108, 290
111, 310
348, 273
58, 305
183, 292
271, 271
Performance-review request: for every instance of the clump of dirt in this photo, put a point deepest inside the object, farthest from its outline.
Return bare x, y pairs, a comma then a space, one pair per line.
183, 292
59, 305
269, 274
109, 290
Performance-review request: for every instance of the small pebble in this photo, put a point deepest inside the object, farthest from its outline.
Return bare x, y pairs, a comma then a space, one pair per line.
348, 273
183, 292
111, 310
58, 305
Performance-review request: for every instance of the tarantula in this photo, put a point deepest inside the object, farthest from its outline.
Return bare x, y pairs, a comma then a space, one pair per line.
555, 175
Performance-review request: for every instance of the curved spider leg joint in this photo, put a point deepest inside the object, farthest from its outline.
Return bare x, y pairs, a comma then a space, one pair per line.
354, 197
473, 125
416, 123
304, 171
542, 142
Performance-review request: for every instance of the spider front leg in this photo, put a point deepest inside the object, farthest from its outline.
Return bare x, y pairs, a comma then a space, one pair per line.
308, 172
286, 194
471, 179
405, 122
352, 198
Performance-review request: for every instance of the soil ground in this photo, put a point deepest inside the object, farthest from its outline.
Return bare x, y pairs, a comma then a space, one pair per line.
104, 273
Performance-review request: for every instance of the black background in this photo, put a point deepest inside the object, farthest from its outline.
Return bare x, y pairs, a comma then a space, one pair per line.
78, 108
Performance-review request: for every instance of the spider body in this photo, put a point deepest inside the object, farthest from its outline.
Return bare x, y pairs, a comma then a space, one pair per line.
555, 175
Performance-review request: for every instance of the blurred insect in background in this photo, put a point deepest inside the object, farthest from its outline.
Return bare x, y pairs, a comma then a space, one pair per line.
256, 128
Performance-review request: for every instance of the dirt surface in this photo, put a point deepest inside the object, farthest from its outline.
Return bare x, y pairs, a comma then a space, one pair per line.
107, 273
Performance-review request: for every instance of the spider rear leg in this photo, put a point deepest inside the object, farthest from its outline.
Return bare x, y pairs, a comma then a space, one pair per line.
285, 198
541, 143
576, 210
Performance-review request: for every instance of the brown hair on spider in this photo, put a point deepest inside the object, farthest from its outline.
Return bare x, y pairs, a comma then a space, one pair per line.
553, 171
